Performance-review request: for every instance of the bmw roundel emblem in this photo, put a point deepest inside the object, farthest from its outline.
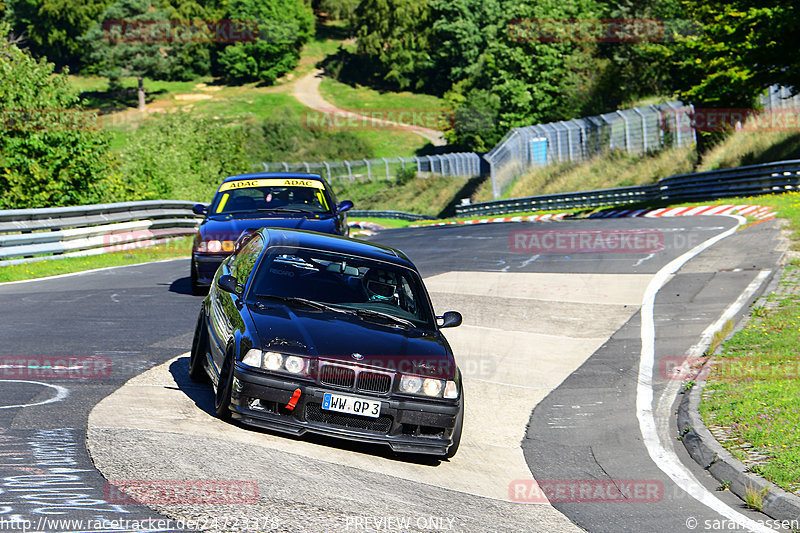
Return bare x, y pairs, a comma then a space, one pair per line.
357, 356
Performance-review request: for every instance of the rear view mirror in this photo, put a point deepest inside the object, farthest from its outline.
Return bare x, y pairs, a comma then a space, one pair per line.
199, 209
229, 284
450, 319
344, 206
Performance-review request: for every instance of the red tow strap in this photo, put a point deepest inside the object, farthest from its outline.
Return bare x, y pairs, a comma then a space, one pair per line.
293, 401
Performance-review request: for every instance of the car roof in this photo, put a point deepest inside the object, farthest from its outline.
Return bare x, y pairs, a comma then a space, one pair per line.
336, 244
256, 175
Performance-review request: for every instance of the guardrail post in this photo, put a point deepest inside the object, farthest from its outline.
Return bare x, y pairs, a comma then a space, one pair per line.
369, 171
349, 170
328, 168
285, 166
266, 167
308, 169
419, 165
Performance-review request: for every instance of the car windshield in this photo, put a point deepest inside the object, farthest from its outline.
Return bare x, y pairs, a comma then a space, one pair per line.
368, 287
278, 198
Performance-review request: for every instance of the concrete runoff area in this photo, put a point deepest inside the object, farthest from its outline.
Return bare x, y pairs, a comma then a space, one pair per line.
523, 334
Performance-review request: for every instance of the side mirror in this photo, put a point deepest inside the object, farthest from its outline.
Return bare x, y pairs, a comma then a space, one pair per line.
229, 284
199, 209
344, 206
450, 319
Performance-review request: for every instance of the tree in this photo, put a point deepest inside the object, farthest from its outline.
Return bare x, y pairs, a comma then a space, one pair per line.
394, 35
522, 77
51, 152
53, 28
461, 32
745, 47
127, 42
284, 26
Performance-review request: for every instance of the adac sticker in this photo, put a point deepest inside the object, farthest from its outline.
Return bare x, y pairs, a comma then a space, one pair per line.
272, 182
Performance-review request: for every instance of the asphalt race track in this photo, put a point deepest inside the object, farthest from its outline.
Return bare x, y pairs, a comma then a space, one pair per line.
550, 350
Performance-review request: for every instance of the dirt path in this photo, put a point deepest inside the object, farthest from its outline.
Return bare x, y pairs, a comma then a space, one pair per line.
306, 90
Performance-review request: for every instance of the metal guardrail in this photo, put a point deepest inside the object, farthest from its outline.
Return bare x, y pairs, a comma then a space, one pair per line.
28, 235
767, 178
400, 215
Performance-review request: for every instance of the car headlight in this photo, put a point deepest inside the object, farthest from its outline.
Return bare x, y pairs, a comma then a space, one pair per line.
432, 387
294, 364
424, 386
272, 361
410, 384
276, 362
451, 390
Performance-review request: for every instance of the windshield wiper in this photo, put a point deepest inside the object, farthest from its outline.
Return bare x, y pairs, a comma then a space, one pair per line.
288, 210
377, 314
304, 301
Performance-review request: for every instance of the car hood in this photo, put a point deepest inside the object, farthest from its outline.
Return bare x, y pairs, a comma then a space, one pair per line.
231, 228
336, 337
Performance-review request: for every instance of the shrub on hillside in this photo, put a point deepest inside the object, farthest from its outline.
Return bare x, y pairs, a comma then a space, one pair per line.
284, 136
182, 156
51, 152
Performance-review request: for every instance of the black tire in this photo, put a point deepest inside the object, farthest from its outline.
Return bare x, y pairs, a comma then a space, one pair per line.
222, 395
197, 290
197, 358
451, 451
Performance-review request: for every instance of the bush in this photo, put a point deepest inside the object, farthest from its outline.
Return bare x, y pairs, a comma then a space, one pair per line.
284, 27
284, 137
404, 175
181, 156
51, 153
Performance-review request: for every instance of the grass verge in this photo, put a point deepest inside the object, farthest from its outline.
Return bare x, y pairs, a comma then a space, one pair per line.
753, 391
51, 267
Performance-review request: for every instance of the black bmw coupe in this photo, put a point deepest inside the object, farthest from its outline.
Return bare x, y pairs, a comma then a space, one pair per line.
306, 332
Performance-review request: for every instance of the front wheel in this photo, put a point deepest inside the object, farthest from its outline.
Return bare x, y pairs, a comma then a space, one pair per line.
222, 396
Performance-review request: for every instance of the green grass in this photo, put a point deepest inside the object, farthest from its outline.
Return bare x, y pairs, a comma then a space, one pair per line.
424, 196
756, 393
389, 223
366, 99
51, 267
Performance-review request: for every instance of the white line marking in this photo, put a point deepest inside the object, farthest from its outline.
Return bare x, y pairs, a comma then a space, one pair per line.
643, 259
669, 462
663, 411
61, 393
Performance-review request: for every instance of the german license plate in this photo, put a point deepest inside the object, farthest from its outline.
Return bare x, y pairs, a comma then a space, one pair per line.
351, 404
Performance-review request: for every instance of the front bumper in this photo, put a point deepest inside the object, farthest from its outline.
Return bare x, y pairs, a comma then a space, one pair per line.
408, 426
205, 266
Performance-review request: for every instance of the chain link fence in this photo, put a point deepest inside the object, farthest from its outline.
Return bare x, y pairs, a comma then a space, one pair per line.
386, 168
637, 131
